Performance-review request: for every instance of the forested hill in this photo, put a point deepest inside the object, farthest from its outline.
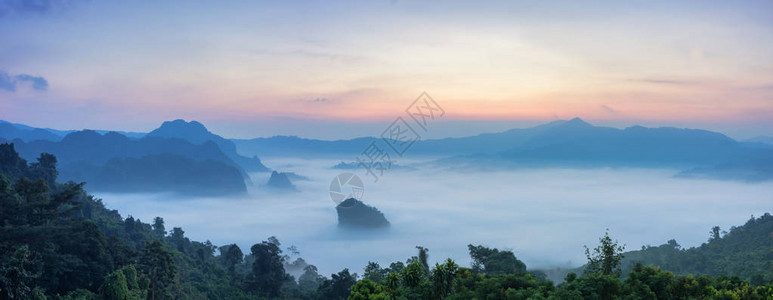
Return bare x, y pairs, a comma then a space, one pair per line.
180, 157
197, 133
745, 251
116, 163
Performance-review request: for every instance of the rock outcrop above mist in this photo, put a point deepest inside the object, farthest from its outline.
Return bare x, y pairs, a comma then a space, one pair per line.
281, 181
354, 214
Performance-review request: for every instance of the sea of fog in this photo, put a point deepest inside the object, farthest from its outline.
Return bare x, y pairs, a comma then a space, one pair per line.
544, 215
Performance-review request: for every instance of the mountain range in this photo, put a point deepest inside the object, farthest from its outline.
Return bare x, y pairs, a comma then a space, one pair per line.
179, 157
563, 143
575, 143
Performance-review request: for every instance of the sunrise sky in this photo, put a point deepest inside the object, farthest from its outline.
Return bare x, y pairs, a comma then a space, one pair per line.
344, 69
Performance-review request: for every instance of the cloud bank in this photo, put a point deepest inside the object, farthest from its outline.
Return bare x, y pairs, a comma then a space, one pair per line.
544, 215
11, 83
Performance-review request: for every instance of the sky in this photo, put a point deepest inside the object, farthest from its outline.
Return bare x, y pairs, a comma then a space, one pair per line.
344, 69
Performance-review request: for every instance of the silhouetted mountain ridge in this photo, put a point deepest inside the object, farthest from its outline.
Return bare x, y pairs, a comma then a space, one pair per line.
563, 143
12, 131
89, 156
197, 133
163, 173
280, 181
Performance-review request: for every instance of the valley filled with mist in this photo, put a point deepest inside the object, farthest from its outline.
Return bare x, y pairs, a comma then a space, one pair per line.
544, 215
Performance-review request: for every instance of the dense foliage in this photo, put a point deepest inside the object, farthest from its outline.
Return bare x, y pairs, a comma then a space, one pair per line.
745, 251
58, 242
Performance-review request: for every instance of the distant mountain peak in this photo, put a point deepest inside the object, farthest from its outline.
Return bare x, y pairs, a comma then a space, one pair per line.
180, 124
197, 133
281, 181
83, 135
192, 131
576, 122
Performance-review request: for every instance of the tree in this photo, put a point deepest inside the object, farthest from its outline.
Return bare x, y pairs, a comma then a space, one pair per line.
34, 196
338, 286
128, 224
366, 289
606, 257
158, 227
412, 274
122, 284
115, 287
9, 202
177, 236
443, 276
714, 233
592, 286
45, 168
268, 272
16, 276
374, 272
396, 267
424, 258
120, 252
650, 282
11, 164
310, 279
81, 258
233, 256
392, 284
493, 261
157, 264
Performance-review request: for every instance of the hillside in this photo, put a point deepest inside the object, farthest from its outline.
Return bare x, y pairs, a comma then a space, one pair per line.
12, 131
162, 173
108, 163
197, 134
745, 251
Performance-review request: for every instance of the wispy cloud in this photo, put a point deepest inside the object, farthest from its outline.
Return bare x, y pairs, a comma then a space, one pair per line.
315, 100
668, 81
32, 6
10, 83
305, 53
608, 109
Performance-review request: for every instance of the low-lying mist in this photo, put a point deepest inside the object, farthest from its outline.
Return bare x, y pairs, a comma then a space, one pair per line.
544, 215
